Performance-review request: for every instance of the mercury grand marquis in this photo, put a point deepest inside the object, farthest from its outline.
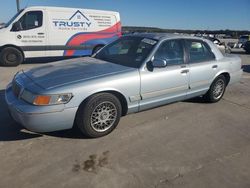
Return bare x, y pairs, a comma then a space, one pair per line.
134, 73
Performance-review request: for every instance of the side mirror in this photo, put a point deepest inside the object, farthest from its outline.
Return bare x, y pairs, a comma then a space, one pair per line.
160, 63
216, 42
17, 26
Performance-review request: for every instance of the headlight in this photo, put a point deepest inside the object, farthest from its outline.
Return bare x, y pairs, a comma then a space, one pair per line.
42, 100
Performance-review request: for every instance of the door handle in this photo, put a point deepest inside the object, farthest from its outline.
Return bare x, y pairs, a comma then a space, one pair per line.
185, 71
214, 66
183, 66
40, 33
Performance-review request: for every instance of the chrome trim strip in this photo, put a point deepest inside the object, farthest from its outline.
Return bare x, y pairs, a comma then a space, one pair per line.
199, 83
163, 92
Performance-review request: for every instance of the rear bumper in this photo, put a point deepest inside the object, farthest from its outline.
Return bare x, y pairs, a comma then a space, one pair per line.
235, 77
36, 118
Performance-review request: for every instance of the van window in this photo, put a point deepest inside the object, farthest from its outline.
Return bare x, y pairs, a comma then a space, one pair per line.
199, 52
171, 51
31, 20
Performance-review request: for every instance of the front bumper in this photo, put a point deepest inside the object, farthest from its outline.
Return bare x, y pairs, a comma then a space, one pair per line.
39, 118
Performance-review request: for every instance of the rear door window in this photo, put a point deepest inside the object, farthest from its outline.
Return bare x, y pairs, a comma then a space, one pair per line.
199, 51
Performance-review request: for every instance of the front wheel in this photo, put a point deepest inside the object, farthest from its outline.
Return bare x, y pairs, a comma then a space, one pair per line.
217, 90
99, 115
11, 56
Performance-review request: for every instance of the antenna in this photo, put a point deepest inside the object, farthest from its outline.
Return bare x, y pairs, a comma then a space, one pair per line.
18, 5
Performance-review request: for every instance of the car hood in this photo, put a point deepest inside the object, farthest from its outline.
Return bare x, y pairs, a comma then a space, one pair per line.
71, 71
3, 29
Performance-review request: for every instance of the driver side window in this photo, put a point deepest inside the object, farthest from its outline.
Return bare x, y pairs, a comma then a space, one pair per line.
171, 51
31, 20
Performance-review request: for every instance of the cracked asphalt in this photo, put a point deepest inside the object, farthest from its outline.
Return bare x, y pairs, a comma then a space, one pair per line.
185, 144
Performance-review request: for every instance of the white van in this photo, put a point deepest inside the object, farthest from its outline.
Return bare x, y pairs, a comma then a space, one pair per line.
54, 31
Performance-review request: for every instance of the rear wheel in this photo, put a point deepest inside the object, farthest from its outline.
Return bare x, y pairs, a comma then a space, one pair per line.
217, 90
11, 56
99, 115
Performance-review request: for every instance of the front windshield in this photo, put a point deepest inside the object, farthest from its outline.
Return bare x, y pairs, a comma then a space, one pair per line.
12, 19
128, 51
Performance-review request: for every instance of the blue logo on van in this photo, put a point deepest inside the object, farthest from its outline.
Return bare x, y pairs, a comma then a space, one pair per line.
77, 20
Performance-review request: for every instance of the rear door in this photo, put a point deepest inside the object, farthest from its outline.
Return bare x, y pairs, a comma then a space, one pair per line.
32, 34
202, 66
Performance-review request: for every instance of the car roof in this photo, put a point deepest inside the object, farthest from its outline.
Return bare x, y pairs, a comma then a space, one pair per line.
54, 8
162, 36
166, 36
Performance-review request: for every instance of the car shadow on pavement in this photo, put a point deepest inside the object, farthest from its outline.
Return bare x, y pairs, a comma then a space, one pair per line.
196, 100
246, 68
12, 131
9, 129
73, 133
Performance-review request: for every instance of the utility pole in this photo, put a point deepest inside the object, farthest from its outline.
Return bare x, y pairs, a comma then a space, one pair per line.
17, 5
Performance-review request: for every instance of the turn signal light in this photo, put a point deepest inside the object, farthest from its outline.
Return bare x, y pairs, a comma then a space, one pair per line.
42, 100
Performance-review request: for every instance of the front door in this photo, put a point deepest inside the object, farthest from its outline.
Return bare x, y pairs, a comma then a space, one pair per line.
31, 36
163, 85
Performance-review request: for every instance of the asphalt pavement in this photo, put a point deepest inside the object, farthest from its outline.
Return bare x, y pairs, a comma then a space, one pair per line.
188, 144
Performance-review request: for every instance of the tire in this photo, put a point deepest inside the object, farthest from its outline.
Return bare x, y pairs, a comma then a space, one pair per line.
217, 90
11, 56
247, 47
96, 49
93, 115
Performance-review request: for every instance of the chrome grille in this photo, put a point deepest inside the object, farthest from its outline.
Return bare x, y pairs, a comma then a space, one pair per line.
16, 88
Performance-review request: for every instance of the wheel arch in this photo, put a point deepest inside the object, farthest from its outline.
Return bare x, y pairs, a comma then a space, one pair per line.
119, 95
226, 74
13, 46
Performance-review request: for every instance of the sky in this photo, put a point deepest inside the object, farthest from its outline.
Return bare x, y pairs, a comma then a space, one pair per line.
166, 14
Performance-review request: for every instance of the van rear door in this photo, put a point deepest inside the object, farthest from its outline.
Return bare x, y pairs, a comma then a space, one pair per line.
31, 36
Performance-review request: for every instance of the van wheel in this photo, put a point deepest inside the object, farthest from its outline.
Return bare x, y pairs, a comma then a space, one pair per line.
11, 56
217, 90
97, 48
99, 115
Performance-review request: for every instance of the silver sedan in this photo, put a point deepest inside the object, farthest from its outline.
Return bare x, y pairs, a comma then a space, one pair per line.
134, 73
